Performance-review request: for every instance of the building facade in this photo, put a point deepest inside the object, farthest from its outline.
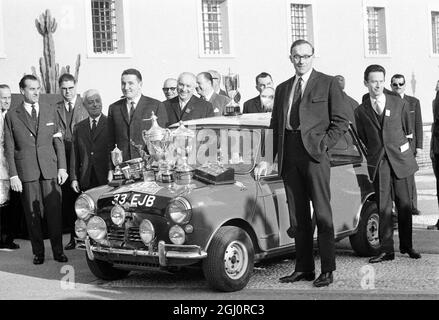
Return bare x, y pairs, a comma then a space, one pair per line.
163, 38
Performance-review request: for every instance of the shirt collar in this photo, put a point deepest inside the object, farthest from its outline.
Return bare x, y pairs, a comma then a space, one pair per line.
305, 77
73, 102
28, 107
183, 103
97, 119
136, 101
209, 96
381, 100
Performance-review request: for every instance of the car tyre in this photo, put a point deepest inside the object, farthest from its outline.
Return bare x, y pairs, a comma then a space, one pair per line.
365, 241
230, 260
104, 270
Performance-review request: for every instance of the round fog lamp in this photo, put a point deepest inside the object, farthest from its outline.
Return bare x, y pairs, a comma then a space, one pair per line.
96, 228
146, 231
84, 206
177, 235
80, 229
188, 228
118, 215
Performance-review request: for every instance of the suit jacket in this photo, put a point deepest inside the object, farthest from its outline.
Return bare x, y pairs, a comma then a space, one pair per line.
121, 129
79, 114
434, 143
388, 137
354, 105
253, 105
219, 103
386, 91
196, 108
89, 151
33, 153
323, 114
416, 118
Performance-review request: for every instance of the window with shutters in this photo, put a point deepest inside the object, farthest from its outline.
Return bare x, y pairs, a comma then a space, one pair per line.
376, 39
435, 32
301, 21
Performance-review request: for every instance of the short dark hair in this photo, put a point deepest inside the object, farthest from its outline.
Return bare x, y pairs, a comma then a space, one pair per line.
263, 75
207, 76
373, 68
4, 86
66, 77
397, 76
22, 83
134, 72
300, 42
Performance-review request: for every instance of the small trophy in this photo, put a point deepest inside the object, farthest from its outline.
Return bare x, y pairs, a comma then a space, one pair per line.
117, 159
231, 82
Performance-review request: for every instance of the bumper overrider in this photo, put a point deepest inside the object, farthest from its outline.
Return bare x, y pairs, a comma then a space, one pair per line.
167, 255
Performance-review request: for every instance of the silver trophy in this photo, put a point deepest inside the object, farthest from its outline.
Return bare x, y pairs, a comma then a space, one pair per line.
231, 82
117, 159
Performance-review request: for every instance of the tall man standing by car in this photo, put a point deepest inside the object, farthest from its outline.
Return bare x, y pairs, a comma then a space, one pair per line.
128, 117
384, 125
309, 116
37, 166
70, 112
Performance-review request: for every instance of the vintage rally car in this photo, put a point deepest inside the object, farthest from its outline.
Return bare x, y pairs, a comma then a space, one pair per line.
197, 202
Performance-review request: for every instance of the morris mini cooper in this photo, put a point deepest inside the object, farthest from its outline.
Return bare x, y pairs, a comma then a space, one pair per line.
214, 214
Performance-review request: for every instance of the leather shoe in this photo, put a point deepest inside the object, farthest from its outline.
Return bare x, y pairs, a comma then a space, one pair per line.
70, 246
61, 258
325, 279
412, 253
10, 245
38, 260
382, 257
297, 276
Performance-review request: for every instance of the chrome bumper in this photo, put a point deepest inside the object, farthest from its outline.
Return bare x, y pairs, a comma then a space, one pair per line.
165, 251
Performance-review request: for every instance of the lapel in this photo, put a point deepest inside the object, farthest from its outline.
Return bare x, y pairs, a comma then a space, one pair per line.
387, 110
21, 113
99, 127
258, 104
61, 113
309, 85
188, 107
138, 109
42, 119
176, 108
123, 110
77, 113
287, 93
371, 113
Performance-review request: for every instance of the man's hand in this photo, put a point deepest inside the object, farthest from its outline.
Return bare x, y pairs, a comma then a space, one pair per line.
16, 184
110, 176
62, 176
262, 169
75, 186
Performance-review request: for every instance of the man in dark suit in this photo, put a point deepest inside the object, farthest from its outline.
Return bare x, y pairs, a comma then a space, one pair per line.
384, 124
37, 166
187, 106
207, 93
128, 117
309, 117
89, 158
254, 105
170, 88
434, 143
70, 112
385, 90
398, 85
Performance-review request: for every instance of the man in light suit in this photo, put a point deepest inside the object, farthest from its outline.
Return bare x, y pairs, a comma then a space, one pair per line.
398, 85
384, 125
37, 166
263, 80
207, 93
128, 117
90, 158
309, 116
70, 112
187, 106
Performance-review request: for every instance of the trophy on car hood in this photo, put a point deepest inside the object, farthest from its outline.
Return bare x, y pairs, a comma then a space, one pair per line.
231, 82
117, 159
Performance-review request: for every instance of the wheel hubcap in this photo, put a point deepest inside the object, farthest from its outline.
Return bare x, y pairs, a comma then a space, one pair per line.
235, 260
373, 230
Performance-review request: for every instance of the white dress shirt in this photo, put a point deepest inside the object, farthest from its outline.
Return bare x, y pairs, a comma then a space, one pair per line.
136, 102
73, 102
28, 107
182, 103
91, 121
381, 101
305, 79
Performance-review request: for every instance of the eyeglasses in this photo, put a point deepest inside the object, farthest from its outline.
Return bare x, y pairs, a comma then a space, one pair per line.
398, 84
297, 58
171, 88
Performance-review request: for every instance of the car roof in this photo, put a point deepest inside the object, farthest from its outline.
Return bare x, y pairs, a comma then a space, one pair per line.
248, 119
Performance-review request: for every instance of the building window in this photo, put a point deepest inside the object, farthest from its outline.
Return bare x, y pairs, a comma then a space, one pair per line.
301, 20
215, 27
106, 27
376, 31
435, 29
2, 43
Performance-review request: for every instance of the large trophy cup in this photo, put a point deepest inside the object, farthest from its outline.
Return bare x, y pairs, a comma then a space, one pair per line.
117, 159
231, 82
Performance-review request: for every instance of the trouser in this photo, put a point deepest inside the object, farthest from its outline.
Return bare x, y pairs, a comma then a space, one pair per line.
387, 188
68, 207
414, 192
42, 203
6, 224
306, 180
435, 163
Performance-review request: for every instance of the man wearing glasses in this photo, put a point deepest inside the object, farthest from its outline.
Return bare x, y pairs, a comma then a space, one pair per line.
70, 112
309, 116
398, 86
170, 88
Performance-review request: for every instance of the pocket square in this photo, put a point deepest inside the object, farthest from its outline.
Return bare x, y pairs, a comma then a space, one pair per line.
216, 110
404, 147
57, 135
50, 124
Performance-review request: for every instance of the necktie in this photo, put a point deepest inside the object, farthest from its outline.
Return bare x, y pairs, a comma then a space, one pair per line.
34, 114
93, 127
131, 110
294, 113
70, 107
378, 108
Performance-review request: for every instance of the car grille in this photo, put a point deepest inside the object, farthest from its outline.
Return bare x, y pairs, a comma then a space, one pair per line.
119, 234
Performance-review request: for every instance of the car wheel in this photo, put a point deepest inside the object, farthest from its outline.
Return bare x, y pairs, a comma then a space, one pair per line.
104, 270
230, 259
366, 241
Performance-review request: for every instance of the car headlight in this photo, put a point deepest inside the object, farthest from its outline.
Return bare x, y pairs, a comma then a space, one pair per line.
146, 231
180, 210
177, 235
118, 215
96, 228
84, 206
81, 229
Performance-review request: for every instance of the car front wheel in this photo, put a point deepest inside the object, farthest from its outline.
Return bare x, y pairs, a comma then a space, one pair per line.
230, 259
104, 270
